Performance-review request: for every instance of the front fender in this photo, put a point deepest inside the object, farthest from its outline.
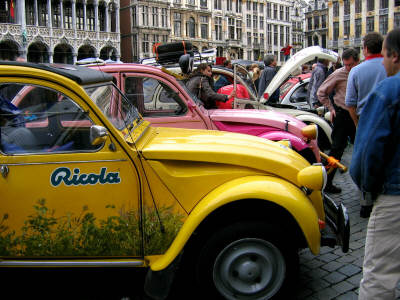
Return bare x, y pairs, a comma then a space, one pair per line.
296, 142
266, 188
319, 121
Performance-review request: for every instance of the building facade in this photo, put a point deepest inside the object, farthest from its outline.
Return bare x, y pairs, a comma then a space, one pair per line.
316, 22
235, 28
350, 20
59, 31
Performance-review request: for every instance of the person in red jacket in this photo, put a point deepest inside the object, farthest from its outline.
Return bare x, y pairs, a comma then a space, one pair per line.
286, 51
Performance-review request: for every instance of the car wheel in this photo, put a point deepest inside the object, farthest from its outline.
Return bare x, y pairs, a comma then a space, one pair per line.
246, 260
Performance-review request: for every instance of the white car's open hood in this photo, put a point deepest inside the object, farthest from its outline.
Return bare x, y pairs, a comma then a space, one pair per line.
300, 58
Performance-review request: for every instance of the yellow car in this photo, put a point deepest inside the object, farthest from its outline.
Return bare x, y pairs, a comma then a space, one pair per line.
86, 182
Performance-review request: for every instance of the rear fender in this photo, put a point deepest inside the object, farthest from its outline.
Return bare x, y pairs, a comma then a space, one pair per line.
267, 188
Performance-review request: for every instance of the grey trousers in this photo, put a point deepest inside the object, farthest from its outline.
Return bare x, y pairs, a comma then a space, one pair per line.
381, 267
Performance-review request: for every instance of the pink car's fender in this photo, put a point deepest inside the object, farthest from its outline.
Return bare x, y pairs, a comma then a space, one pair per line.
297, 143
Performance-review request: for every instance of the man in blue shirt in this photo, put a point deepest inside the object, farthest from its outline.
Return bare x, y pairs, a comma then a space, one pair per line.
362, 79
375, 169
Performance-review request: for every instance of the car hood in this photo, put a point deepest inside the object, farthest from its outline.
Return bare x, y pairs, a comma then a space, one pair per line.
303, 56
258, 117
225, 148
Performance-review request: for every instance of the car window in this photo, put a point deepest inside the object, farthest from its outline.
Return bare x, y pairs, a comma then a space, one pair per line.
36, 119
285, 88
153, 97
300, 94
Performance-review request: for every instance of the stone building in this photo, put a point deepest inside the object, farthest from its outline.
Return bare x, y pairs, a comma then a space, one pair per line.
59, 31
350, 20
316, 22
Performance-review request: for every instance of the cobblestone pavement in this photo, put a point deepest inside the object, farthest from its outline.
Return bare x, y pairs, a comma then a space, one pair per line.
333, 274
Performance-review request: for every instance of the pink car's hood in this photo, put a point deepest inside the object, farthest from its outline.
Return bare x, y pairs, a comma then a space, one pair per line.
258, 117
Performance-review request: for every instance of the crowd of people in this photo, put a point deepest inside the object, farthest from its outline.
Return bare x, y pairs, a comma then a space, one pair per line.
364, 104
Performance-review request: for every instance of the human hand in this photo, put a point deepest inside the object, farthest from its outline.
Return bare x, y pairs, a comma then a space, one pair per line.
333, 114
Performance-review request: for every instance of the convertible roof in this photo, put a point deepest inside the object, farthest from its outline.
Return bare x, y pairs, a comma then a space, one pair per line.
81, 75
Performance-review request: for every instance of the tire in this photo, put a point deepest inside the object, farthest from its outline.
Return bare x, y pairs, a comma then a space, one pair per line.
246, 261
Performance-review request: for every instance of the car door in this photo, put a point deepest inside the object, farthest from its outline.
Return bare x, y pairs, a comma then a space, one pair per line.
61, 195
160, 102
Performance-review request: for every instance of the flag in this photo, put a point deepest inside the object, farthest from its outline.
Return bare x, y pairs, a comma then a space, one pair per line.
12, 9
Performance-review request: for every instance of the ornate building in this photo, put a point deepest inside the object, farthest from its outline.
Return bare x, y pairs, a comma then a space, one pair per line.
59, 31
316, 17
297, 18
350, 20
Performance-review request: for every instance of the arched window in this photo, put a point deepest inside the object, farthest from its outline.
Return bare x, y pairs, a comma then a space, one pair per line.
191, 28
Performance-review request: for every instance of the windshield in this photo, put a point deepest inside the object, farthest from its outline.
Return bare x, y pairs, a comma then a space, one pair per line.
118, 110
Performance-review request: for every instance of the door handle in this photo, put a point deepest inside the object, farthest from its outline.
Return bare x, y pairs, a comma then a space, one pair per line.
4, 171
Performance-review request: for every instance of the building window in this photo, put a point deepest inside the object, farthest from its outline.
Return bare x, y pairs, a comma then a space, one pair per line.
191, 28
239, 6
287, 13
323, 41
384, 4
249, 55
269, 10
102, 16
316, 22
248, 21
255, 22
269, 34
370, 24
177, 24
255, 6
336, 9
203, 3
335, 31
204, 27
29, 12
370, 5
90, 17
309, 41
396, 22
218, 28
248, 5
145, 43
358, 25
383, 24
231, 28
287, 35
281, 12
217, 4
43, 17
262, 39
164, 17
56, 14
275, 11
79, 16
145, 15
294, 40
67, 7
165, 38
346, 29
346, 7
282, 36
358, 6
396, 2
154, 16
239, 30
261, 22
249, 39
276, 35
255, 38
228, 5
323, 21
191, 2
309, 23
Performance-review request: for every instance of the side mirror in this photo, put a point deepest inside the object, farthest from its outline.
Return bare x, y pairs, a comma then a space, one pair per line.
186, 63
98, 135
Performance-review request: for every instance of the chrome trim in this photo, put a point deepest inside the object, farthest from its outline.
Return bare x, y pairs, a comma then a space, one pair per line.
64, 162
18, 263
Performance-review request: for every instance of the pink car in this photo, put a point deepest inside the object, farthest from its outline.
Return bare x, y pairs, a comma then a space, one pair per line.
166, 102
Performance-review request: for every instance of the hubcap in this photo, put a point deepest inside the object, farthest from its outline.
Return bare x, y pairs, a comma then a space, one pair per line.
249, 269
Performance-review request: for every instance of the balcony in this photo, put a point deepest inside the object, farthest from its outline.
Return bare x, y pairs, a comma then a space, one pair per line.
346, 17
258, 46
233, 43
383, 11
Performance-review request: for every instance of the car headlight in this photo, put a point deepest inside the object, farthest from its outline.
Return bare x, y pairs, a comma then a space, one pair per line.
310, 131
313, 177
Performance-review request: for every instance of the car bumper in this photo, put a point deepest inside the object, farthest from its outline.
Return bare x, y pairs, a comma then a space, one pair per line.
337, 231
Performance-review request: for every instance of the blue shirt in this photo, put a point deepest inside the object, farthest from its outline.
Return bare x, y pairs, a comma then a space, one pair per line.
362, 79
375, 161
